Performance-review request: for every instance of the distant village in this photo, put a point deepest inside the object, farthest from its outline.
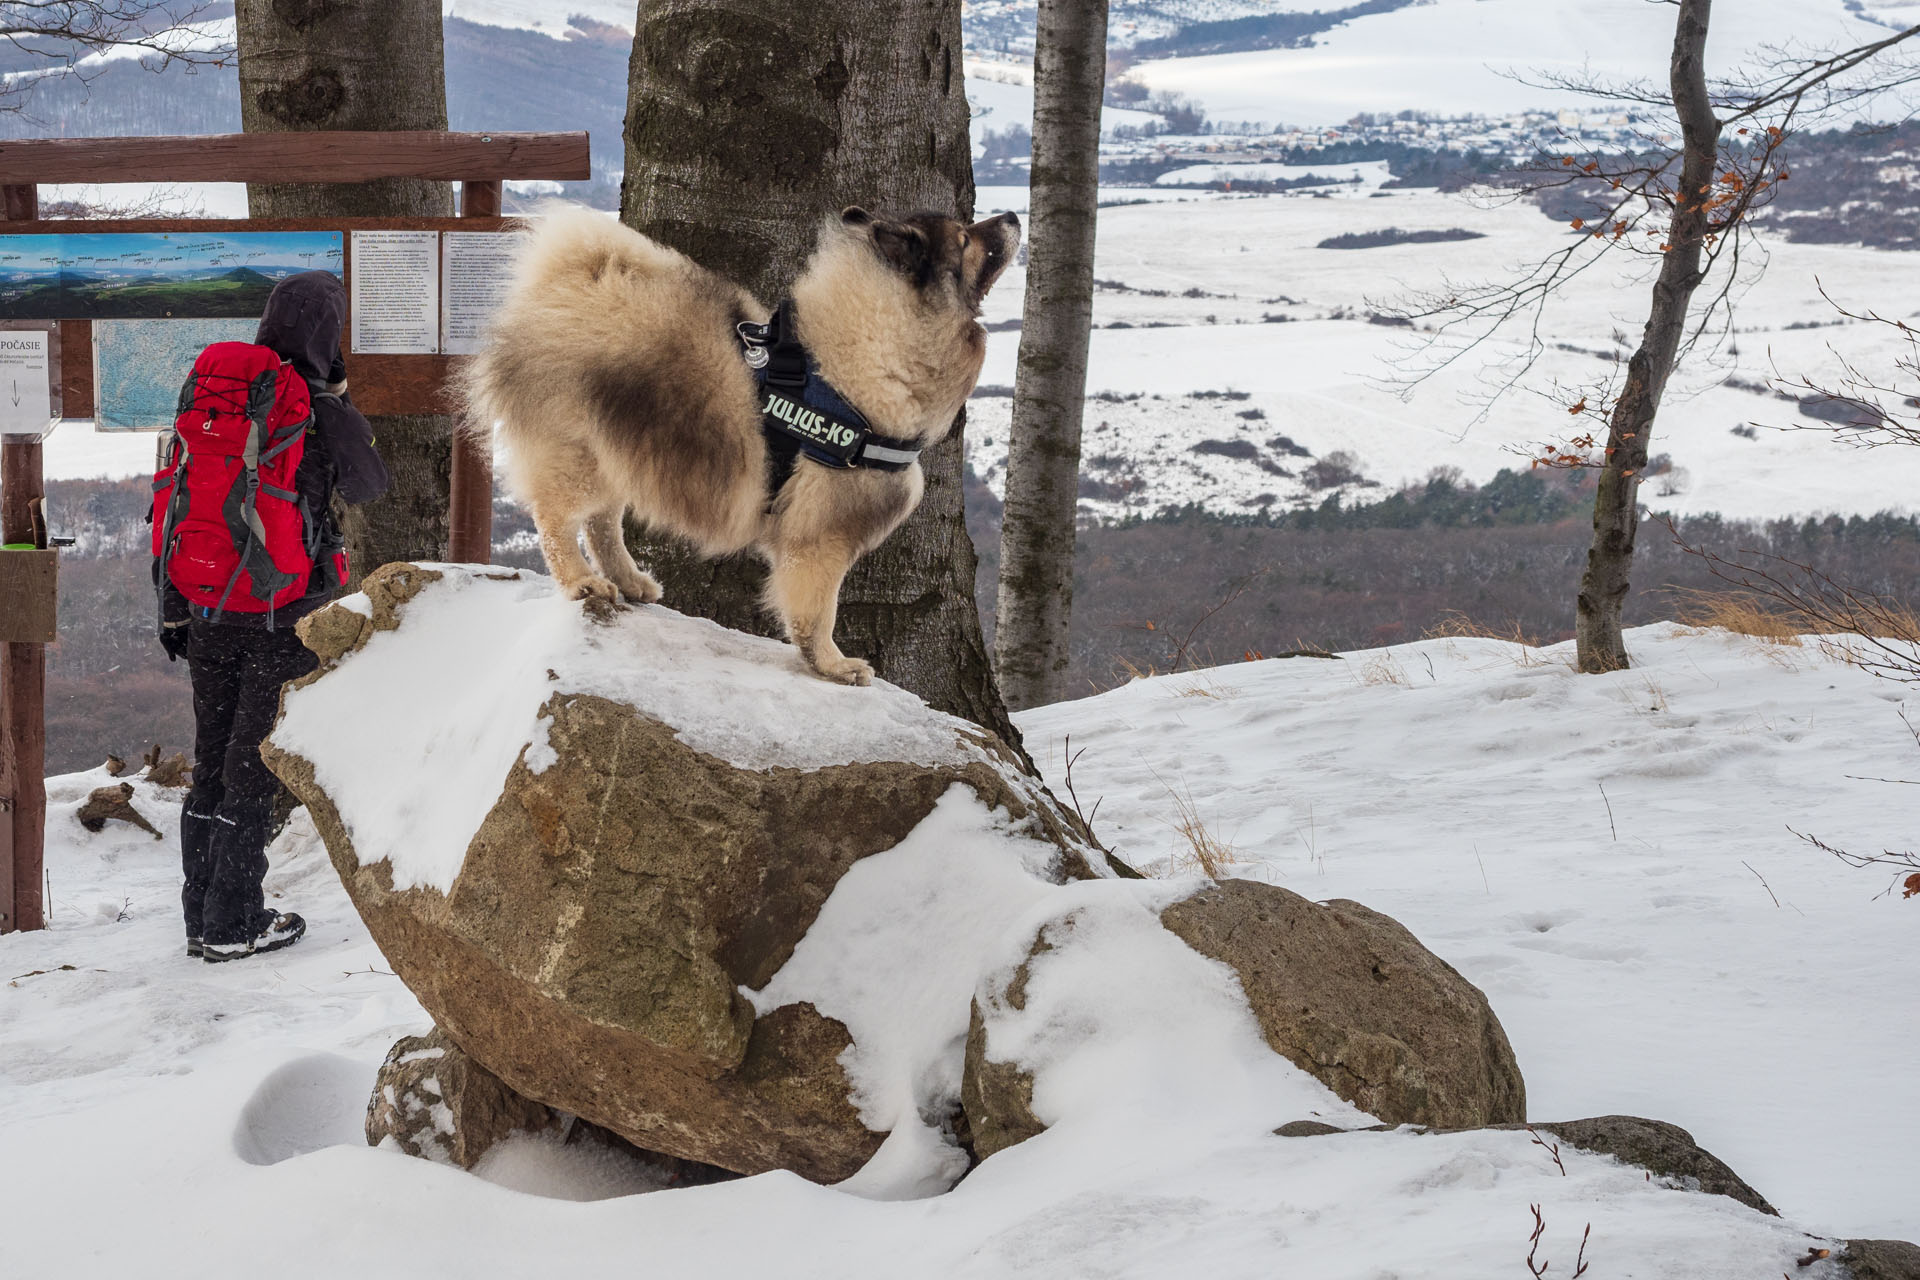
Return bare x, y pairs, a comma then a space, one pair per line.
1513, 137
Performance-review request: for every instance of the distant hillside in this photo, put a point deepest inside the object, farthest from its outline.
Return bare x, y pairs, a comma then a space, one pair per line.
1259, 31
497, 78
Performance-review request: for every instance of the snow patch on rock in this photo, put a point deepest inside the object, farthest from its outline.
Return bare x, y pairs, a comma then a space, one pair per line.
414, 734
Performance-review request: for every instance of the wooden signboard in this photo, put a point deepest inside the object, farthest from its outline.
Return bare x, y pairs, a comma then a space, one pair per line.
382, 383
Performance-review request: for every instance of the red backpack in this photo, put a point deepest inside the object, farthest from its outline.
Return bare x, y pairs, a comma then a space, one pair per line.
231, 530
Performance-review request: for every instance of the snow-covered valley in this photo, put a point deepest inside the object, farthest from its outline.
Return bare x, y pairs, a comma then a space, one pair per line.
1232, 352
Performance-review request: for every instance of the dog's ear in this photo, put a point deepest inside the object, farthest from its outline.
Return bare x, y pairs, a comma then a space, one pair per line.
904, 247
854, 216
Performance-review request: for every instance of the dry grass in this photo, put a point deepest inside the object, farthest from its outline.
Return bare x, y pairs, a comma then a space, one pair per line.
1455, 625
1741, 612
1202, 684
1384, 669
1206, 852
1458, 626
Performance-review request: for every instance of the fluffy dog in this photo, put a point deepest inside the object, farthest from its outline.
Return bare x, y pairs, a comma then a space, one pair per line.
619, 384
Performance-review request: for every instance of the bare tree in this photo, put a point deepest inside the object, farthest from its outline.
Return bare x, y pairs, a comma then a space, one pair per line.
1050, 383
307, 66
748, 121
1691, 207
66, 39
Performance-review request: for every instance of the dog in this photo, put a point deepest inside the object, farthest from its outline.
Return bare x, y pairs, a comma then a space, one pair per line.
618, 374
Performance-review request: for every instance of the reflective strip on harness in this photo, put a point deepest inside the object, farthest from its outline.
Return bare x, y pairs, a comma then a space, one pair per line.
802, 413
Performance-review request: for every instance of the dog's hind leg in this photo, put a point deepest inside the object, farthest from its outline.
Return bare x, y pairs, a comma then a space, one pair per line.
803, 589
607, 542
554, 498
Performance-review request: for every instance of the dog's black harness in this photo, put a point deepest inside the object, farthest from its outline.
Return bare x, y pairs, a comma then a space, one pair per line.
801, 413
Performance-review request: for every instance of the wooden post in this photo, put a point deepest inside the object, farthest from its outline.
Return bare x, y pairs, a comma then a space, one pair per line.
23, 674
470, 487
480, 199
23, 698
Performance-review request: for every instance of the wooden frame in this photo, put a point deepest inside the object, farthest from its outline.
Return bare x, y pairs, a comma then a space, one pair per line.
297, 157
383, 384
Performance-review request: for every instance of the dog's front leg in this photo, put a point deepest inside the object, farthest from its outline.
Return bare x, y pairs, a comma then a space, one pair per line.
804, 590
560, 544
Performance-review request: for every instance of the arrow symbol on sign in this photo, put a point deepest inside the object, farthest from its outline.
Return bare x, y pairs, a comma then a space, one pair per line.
16, 392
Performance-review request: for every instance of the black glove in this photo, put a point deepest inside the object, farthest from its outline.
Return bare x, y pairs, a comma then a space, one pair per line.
175, 635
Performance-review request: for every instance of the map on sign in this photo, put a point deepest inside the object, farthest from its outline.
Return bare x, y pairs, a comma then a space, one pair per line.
139, 365
154, 274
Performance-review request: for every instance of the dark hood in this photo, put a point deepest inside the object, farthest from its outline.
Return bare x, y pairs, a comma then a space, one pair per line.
302, 323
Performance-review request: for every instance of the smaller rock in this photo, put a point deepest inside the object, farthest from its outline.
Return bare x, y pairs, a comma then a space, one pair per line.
115, 802
1307, 1129
1663, 1149
996, 1098
1881, 1260
115, 766
167, 771
437, 1103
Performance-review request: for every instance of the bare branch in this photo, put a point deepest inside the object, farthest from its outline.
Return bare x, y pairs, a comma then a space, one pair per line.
78, 39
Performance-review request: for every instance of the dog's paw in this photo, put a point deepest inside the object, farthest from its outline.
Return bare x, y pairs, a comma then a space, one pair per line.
593, 587
641, 589
846, 671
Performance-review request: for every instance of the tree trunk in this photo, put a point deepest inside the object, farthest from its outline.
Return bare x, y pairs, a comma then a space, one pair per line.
320, 65
1050, 384
1616, 507
748, 121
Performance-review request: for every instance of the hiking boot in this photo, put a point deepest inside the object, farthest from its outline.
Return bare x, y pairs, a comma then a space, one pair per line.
281, 931
194, 946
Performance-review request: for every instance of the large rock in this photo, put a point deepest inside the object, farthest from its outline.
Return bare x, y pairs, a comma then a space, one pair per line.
1344, 993
1351, 997
666, 805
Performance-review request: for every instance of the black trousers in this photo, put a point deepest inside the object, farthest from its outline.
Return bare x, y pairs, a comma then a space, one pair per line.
237, 674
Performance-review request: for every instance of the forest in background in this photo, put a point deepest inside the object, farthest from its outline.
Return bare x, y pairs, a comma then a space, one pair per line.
1184, 589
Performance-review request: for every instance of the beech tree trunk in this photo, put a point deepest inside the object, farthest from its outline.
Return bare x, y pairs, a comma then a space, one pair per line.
1616, 507
1050, 383
321, 65
748, 121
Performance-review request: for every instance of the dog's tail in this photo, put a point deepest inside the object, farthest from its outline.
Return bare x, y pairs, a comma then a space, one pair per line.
564, 244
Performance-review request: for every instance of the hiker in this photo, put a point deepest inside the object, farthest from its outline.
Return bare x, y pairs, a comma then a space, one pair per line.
246, 543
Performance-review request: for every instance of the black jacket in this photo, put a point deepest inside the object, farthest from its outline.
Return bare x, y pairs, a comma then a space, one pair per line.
302, 323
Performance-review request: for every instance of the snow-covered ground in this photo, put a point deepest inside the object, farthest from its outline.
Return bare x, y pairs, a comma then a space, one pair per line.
1462, 56
162, 1117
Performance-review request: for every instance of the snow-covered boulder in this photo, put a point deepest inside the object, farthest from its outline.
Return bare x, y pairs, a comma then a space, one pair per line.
1345, 994
590, 846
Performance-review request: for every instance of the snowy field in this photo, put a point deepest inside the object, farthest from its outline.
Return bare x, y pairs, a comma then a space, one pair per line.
162, 1117
1230, 294
1457, 57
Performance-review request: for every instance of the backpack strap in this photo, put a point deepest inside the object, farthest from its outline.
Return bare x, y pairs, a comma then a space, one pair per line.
239, 510
169, 452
